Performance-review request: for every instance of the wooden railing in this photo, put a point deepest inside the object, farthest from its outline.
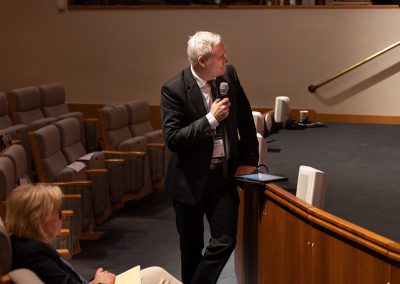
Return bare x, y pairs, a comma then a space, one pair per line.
284, 240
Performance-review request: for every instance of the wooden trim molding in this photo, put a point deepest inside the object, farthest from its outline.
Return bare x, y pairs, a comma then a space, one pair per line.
90, 111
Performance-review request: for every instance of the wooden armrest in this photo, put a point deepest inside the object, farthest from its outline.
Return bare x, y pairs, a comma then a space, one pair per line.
115, 161
64, 233
97, 171
68, 213
72, 196
5, 279
156, 145
125, 153
91, 120
85, 183
63, 252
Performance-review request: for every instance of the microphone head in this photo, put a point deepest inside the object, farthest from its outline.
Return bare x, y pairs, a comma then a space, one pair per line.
223, 89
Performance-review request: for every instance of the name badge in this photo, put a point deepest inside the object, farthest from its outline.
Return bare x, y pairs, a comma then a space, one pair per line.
219, 151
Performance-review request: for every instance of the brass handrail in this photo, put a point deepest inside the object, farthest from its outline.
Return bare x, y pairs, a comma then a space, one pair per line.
313, 88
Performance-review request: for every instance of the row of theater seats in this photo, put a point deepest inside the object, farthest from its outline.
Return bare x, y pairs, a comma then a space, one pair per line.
126, 132
13, 168
131, 165
30, 108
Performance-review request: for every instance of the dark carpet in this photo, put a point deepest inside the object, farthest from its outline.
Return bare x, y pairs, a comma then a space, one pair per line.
143, 232
362, 163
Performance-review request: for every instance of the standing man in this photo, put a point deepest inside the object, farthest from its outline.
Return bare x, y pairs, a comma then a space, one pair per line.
211, 138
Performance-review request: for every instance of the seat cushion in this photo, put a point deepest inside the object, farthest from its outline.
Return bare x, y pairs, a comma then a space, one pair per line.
17, 155
5, 120
70, 135
7, 178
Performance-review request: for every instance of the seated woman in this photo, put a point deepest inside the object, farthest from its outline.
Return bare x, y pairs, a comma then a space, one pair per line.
33, 220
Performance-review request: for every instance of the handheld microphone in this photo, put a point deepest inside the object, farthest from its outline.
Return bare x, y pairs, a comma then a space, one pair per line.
223, 90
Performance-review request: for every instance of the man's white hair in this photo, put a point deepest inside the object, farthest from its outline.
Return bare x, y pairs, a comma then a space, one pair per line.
201, 44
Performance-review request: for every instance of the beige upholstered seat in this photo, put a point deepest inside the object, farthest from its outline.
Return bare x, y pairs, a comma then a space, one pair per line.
140, 125
7, 182
258, 122
25, 108
53, 105
18, 132
118, 142
13, 173
73, 150
53, 167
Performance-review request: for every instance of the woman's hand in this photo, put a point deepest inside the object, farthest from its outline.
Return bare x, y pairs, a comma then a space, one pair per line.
103, 277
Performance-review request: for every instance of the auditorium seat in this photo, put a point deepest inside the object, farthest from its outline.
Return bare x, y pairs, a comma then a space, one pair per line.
53, 105
140, 125
7, 178
17, 276
269, 123
14, 174
25, 108
73, 149
119, 143
311, 186
18, 132
52, 167
258, 122
64, 240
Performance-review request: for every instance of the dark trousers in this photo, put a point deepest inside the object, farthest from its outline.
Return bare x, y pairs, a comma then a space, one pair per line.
220, 205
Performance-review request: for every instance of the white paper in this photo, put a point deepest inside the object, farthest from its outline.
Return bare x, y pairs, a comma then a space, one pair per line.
77, 166
87, 157
131, 276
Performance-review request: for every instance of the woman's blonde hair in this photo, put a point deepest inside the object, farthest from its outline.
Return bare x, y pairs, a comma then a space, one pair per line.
29, 207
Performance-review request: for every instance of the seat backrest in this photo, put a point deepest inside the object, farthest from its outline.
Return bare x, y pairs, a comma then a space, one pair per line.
5, 252
311, 186
269, 122
258, 122
47, 154
53, 100
114, 126
7, 177
71, 142
16, 153
5, 120
139, 117
26, 104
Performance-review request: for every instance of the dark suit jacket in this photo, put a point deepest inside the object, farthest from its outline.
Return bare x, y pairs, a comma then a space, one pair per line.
189, 135
42, 259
